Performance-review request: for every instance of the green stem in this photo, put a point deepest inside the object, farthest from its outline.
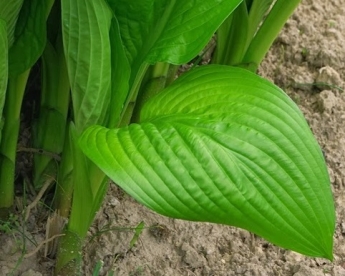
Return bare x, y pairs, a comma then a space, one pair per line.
14, 98
160, 69
89, 186
83, 211
257, 11
69, 257
154, 82
132, 96
64, 185
269, 30
172, 72
232, 37
51, 125
223, 40
236, 45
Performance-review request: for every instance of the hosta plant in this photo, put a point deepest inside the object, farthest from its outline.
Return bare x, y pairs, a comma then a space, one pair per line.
219, 144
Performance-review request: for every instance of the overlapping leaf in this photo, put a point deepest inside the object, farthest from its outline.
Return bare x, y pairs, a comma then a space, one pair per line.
9, 11
30, 30
159, 31
225, 146
86, 26
121, 72
169, 31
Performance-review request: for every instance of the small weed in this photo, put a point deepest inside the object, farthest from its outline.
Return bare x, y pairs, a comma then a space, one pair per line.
9, 225
331, 23
304, 52
318, 84
136, 235
98, 267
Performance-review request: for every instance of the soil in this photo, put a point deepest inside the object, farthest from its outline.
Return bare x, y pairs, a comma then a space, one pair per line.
308, 62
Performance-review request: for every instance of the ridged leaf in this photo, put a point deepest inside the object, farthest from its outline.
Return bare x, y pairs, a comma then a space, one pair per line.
225, 146
154, 31
168, 30
86, 26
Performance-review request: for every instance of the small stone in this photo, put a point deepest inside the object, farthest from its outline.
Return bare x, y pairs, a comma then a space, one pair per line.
31, 272
191, 257
293, 257
113, 202
326, 101
341, 250
4, 269
307, 271
339, 271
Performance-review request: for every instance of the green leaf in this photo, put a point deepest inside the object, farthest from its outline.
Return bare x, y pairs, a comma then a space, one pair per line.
3, 69
121, 73
30, 35
226, 146
169, 30
161, 31
86, 26
9, 11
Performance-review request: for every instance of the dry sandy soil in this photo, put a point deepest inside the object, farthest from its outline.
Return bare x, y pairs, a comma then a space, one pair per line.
308, 62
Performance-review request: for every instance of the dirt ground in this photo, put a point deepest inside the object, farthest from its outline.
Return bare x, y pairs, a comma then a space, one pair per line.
308, 62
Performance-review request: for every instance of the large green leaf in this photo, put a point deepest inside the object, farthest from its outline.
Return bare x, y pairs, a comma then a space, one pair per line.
86, 26
226, 146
